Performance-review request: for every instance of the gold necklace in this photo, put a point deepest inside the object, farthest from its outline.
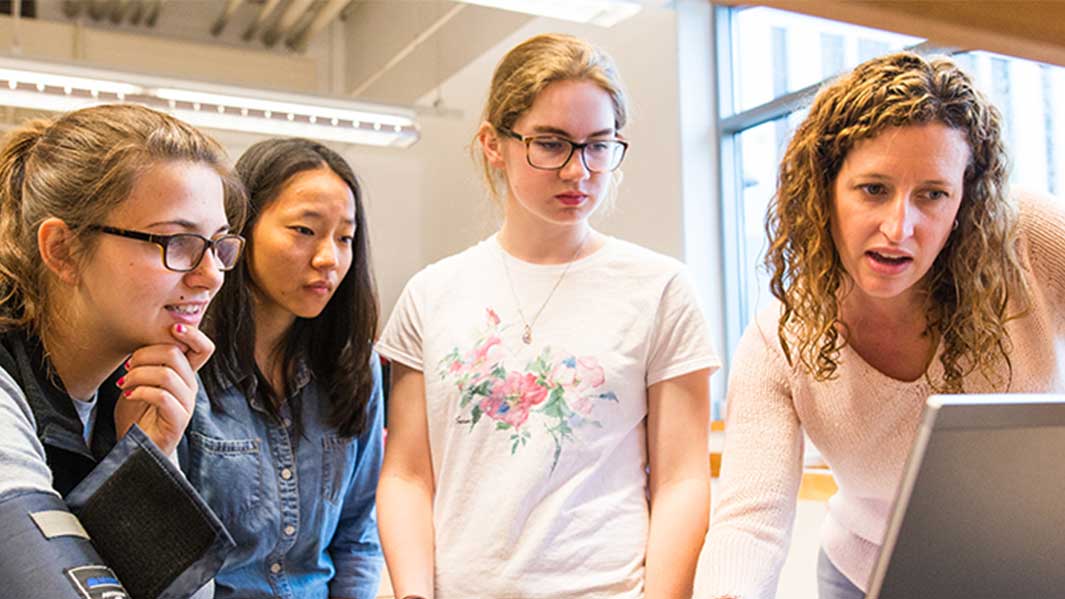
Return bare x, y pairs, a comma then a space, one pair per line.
527, 330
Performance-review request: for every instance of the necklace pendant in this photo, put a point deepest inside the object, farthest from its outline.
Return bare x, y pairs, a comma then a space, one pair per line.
526, 335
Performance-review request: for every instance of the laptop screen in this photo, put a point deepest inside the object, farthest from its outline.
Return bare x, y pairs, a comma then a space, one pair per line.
981, 508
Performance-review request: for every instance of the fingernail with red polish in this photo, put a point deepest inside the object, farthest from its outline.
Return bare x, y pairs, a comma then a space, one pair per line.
129, 364
181, 328
120, 381
128, 392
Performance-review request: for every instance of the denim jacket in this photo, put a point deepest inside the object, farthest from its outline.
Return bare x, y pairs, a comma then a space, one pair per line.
300, 507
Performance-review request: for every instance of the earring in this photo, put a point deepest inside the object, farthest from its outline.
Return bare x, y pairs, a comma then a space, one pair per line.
955, 227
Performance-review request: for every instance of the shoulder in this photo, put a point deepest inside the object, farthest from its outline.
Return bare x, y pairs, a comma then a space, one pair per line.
12, 399
1041, 224
1040, 215
444, 271
22, 459
13, 403
761, 338
639, 260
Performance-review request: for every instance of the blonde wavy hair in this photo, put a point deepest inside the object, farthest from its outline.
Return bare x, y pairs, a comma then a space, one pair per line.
531, 66
78, 167
978, 273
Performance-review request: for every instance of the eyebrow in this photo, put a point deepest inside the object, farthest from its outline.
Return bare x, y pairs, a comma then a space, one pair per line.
309, 213
187, 225
880, 177
564, 133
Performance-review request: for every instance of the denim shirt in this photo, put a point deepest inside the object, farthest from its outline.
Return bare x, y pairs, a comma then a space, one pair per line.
300, 507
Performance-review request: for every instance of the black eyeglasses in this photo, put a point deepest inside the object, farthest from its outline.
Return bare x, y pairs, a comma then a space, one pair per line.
184, 252
552, 153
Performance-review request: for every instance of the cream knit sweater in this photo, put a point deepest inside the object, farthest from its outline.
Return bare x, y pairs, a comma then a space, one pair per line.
863, 422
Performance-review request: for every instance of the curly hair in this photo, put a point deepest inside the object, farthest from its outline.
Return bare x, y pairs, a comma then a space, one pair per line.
978, 272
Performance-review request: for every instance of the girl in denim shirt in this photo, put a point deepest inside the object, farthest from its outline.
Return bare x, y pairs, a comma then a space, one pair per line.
286, 444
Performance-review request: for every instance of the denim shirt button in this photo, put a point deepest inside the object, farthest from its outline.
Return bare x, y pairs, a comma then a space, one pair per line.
275, 567
290, 530
286, 473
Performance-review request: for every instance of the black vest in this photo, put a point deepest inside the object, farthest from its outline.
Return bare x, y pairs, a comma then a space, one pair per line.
58, 427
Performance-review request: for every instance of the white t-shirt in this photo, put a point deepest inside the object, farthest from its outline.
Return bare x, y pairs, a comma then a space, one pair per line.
539, 451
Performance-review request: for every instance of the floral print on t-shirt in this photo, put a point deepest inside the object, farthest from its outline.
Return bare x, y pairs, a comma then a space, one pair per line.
555, 394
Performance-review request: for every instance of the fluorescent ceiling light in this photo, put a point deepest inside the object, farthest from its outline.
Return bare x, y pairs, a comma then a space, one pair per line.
604, 13
61, 88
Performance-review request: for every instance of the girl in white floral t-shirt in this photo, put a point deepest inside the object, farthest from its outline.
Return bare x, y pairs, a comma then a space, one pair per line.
549, 410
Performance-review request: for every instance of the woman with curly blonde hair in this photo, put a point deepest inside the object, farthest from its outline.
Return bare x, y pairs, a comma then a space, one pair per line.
903, 267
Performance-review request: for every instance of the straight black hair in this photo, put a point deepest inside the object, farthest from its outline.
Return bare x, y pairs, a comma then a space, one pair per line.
338, 343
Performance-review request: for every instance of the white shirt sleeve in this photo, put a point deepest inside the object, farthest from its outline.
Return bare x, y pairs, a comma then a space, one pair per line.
680, 340
401, 341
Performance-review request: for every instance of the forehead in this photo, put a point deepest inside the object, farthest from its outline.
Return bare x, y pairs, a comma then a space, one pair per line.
175, 192
930, 147
578, 107
319, 190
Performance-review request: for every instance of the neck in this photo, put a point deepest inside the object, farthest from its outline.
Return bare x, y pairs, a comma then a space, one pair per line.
554, 245
903, 314
81, 364
270, 329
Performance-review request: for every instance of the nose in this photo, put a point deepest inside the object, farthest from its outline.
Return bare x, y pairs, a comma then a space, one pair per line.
574, 169
899, 218
208, 273
326, 255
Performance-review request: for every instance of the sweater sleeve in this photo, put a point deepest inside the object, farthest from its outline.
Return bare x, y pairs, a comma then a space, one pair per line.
750, 527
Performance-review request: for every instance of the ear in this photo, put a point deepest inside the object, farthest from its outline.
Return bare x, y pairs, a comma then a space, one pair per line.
55, 242
490, 145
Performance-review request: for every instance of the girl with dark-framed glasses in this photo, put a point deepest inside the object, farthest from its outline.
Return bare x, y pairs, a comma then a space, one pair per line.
550, 404
286, 442
114, 235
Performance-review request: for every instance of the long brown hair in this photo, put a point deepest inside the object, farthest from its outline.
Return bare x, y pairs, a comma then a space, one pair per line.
974, 277
336, 344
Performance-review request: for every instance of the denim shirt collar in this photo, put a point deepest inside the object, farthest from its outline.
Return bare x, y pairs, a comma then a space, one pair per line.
303, 377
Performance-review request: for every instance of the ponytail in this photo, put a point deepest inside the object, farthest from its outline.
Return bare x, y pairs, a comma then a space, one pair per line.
19, 302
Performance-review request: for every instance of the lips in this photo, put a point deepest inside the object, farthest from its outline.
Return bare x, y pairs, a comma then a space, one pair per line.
889, 259
888, 263
187, 313
320, 288
571, 198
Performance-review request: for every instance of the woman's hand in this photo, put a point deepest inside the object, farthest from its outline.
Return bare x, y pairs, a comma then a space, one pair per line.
159, 388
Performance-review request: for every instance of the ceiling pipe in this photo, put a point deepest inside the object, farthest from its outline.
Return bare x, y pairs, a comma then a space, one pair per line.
16, 16
298, 40
72, 8
136, 13
260, 19
98, 9
118, 10
227, 14
289, 18
152, 12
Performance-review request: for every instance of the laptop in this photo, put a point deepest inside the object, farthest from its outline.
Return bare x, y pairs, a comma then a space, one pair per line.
980, 512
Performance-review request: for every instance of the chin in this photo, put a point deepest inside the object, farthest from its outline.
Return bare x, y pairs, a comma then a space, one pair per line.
308, 313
